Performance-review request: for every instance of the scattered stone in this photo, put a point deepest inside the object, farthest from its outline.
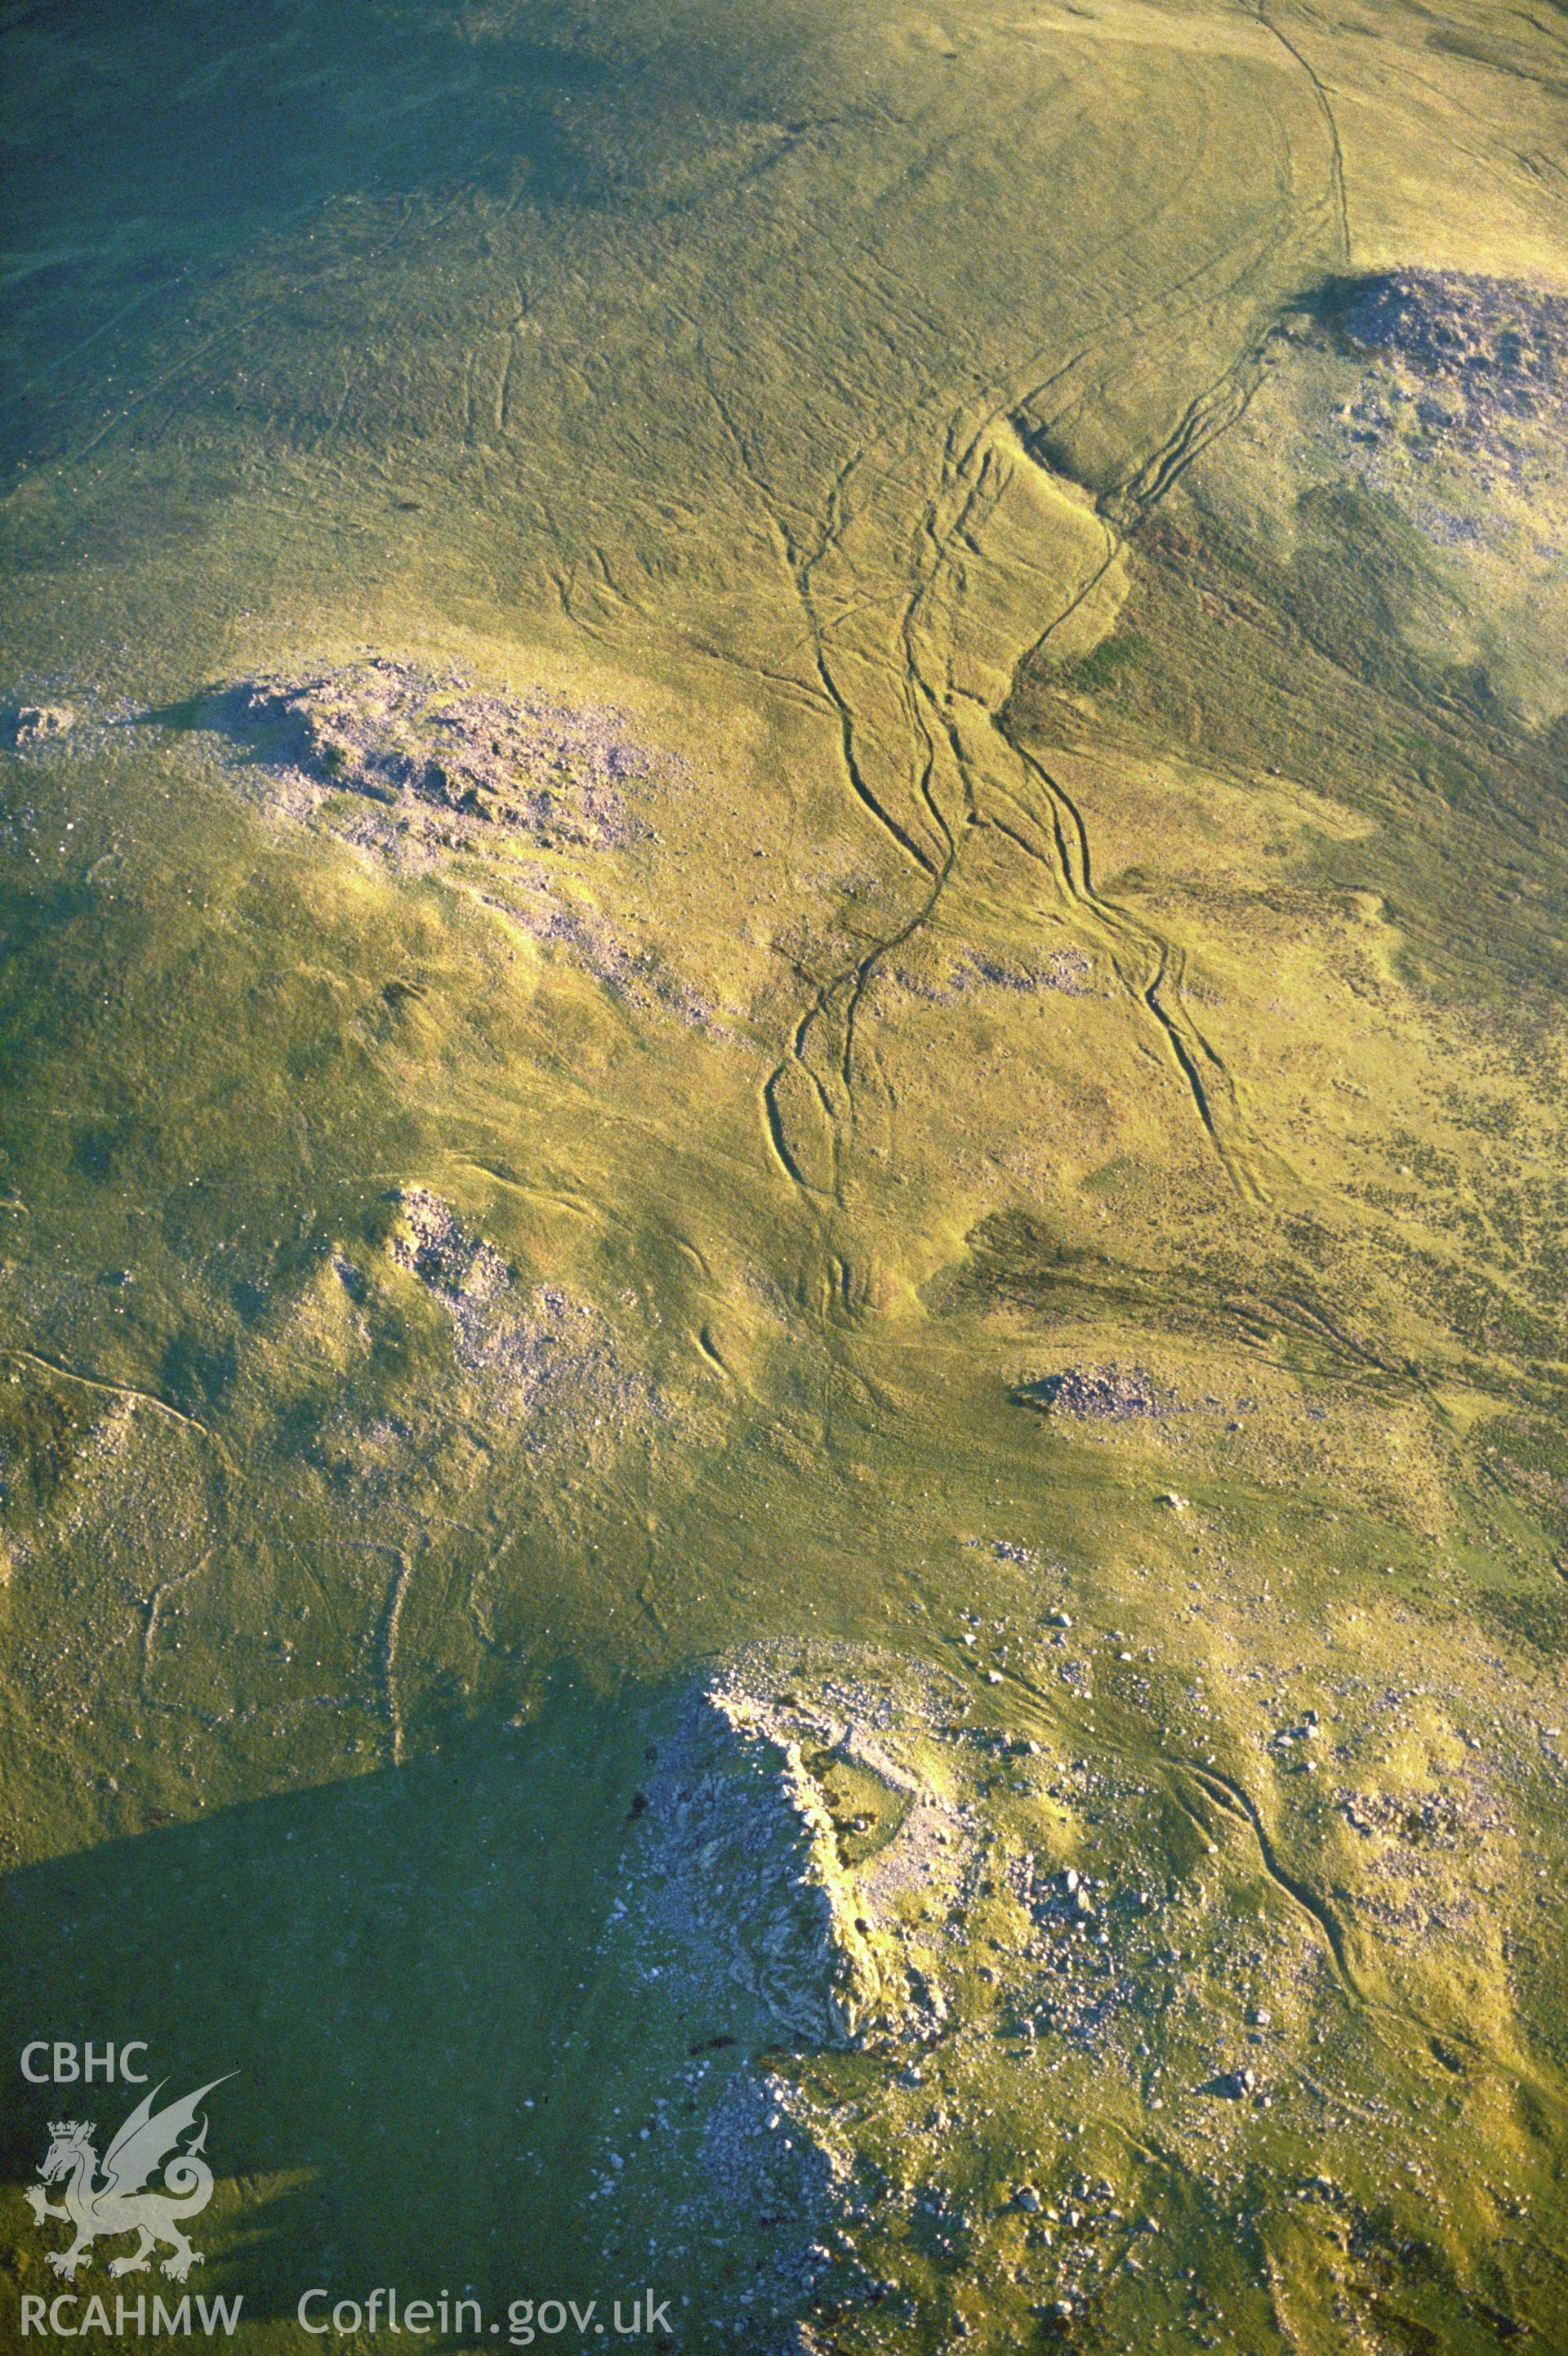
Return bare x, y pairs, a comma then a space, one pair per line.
1028, 2200
1067, 971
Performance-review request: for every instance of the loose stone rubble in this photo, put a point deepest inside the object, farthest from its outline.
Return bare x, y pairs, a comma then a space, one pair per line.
1111, 1394
542, 1351
1065, 969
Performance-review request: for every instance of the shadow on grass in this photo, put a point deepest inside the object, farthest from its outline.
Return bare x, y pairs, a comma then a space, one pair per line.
393, 1966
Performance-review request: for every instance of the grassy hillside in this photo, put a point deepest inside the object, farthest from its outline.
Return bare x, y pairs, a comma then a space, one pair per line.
785, 1035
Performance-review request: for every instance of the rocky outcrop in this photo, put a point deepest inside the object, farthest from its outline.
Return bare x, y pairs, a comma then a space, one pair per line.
427, 773
789, 1822
435, 748
37, 724
431, 1241
746, 1875
1490, 349
1454, 399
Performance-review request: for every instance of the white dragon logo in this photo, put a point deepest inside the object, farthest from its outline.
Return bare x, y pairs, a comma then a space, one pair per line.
118, 2204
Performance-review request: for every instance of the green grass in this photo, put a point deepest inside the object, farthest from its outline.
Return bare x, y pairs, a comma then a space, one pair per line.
882, 412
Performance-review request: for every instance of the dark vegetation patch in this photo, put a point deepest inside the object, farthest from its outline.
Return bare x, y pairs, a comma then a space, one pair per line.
1536, 1614
197, 1371
41, 1430
98, 1146
1014, 1260
1098, 669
